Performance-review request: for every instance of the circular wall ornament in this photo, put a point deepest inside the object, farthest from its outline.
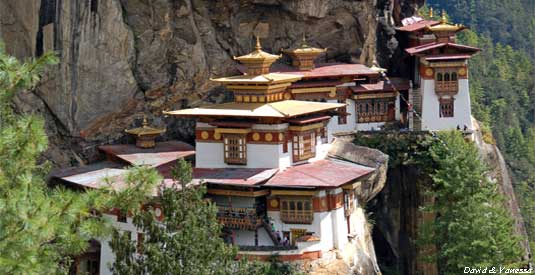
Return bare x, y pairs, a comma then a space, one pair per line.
269, 137
281, 137
256, 136
429, 72
204, 135
217, 136
462, 71
274, 203
287, 96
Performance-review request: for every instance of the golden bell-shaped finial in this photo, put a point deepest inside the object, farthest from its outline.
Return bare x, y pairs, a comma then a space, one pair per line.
258, 46
145, 123
304, 42
431, 13
443, 18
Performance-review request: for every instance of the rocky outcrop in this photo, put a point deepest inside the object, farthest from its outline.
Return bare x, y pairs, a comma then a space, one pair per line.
343, 148
122, 58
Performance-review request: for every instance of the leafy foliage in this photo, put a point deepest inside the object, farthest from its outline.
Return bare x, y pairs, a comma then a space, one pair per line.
472, 228
186, 241
41, 227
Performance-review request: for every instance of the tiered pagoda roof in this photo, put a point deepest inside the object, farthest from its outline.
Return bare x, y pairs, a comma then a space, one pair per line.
304, 56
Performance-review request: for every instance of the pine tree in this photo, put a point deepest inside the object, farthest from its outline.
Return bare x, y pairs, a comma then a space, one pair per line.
472, 227
42, 228
186, 241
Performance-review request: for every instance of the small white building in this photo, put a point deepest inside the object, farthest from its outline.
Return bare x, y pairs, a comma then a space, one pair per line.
441, 93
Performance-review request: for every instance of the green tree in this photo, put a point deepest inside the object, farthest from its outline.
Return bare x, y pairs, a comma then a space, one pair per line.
41, 227
186, 241
472, 227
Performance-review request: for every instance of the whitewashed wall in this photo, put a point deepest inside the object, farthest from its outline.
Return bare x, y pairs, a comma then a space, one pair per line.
246, 237
333, 126
106, 255
431, 119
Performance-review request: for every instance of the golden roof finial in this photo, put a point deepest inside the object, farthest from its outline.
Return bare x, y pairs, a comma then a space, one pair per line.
304, 44
145, 123
443, 18
431, 13
258, 46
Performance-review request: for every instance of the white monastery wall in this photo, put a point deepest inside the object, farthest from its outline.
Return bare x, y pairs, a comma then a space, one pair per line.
431, 108
246, 237
106, 254
334, 127
321, 226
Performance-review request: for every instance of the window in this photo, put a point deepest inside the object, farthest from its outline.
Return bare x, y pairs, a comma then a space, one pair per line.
342, 113
121, 216
235, 149
446, 107
140, 241
375, 110
304, 145
446, 80
349, 202
297, 210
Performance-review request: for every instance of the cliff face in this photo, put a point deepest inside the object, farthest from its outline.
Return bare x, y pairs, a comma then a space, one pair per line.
122, 58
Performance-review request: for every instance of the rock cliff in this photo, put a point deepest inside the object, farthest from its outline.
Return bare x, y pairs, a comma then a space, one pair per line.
124, 58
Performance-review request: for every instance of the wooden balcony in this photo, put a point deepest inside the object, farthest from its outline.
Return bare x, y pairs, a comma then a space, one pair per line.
239, 218
297, 217
446, 86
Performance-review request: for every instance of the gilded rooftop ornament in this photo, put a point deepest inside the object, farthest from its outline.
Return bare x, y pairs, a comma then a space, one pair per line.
304, 56
445, 26
145, 129
257, 62
257, 55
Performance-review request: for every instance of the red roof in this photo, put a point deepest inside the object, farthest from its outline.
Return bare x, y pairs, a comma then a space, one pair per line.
321, 173
417, 26
399, 84
322, 70
164, 152
233, 176
436, 45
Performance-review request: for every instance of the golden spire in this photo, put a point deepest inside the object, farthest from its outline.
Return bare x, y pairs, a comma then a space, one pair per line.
443, 18
145, 135
145, 123
257, 62
258, 46
445, 26
431, 13
304, 43
304, 56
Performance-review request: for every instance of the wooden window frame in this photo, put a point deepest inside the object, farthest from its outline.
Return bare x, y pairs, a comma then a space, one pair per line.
446, 107
296, 210
235, 149
303, 145
373, 110
446, 80
342, 113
